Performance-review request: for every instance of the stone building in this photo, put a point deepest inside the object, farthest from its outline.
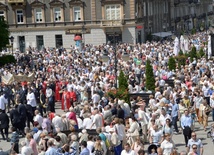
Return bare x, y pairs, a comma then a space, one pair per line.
55, 23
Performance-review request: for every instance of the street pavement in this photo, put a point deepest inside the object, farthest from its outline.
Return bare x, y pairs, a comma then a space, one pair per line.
178, 139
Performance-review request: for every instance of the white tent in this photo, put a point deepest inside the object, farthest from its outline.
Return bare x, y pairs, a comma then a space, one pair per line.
209, 53
162, 34
176, 46
182, 43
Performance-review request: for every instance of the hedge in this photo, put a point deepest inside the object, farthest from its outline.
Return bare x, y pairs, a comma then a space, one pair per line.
6, 59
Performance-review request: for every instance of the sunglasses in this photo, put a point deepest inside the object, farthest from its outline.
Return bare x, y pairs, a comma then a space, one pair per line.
194, 148
193, 135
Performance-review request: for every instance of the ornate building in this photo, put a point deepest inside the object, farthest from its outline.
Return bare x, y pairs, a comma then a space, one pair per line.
55, 23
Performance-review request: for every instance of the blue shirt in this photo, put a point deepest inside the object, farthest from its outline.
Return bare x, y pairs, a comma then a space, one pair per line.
51, 151
175, 109
85, 151
186, 121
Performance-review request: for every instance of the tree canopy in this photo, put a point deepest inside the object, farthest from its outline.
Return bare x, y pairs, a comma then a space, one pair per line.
4, 33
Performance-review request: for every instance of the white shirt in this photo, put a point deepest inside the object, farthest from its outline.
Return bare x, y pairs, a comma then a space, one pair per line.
31, 100
167, 147
26, 150
87, 123
57, 122
3, 102
131, 152
49, 92
95, 98
97, 120
39, 119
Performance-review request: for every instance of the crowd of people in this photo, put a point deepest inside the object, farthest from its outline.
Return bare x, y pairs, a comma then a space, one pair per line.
79, 80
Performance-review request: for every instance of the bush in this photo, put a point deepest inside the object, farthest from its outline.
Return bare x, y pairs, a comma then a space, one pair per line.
181, 52
123, 81
122, 92
181, 60
193, 53
201, 53
150, 79
6, 59
193, 31
172, 63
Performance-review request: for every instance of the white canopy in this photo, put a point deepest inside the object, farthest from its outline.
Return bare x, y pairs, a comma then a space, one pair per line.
162, 34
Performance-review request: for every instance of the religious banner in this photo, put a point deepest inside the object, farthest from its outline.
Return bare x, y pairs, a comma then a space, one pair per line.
10, 78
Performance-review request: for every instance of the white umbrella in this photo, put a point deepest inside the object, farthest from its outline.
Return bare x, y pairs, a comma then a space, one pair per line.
182, 43
176, 46
209, 53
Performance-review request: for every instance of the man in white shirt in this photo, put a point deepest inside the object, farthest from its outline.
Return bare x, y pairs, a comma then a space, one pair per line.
127, 150
3, 102
31, 99
97, 119
87, 122
38, 118
95, 97
57, 122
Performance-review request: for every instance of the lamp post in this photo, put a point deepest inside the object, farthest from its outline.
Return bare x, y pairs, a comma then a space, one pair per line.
11, 41
115, 60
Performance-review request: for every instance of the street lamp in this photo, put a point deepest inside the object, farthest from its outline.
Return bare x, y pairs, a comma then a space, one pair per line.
115, 59
11, 41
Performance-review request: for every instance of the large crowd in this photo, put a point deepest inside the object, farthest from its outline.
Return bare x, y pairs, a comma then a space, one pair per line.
79, 79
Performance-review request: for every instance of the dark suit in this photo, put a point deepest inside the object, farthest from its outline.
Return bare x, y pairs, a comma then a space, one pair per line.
4, 125
23, 94
15, 118
42, 101
23, 115
30, 115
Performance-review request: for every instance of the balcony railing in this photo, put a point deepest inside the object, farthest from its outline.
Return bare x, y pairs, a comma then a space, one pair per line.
16, 1
109, 23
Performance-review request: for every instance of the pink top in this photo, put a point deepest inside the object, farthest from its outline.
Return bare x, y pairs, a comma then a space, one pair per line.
33, 145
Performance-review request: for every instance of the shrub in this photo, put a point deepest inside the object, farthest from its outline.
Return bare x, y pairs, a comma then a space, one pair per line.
193, 53
181, 52
6, 59
181, 60
123, 81
172, 63
150, 79
122, 92
193, 31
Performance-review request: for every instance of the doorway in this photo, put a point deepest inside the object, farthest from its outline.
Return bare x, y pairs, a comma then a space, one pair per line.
22, 43
39, 42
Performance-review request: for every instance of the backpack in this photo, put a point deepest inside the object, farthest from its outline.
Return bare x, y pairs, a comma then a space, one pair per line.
98, 152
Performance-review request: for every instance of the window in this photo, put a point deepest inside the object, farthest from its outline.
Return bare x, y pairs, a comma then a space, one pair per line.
150, 9
1, 13
112, 12
57, 14
38, 15
40, 42
19, 15
59, 41
77, 16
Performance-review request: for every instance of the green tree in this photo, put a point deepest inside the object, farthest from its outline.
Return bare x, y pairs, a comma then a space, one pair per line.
4, 33
123, 81
172, 63
150, 79
193, 53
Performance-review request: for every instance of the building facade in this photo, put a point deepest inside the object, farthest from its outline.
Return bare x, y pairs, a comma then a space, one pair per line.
55, 23
177, 15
